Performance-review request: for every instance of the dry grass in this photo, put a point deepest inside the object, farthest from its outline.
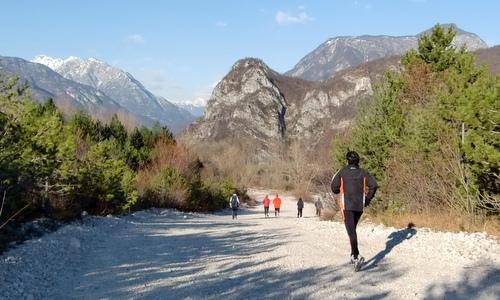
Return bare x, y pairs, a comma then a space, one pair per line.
295, 171
289, 167
167, 154
174, 155
440, 220
329, 214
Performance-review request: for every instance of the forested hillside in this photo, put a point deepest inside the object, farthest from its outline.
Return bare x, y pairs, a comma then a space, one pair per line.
50, 166
431, 136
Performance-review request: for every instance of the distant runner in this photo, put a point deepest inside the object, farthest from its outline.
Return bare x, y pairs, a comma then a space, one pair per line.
356, 188
277, 204
234, 203
266, 202
319, 206
300, 206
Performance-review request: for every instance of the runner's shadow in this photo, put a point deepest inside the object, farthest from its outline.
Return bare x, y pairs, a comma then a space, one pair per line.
394, 239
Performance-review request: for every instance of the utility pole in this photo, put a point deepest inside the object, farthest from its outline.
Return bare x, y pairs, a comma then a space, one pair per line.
462, 163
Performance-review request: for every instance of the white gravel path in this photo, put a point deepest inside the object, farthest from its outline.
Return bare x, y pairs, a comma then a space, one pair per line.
166, 254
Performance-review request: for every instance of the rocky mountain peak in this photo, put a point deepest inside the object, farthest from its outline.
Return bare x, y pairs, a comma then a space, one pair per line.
342, 52
92, 71
249, 63
253, 102
246, 101
120, 86
48, 61
245, 76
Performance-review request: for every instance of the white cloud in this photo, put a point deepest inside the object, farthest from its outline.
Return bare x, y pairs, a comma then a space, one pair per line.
201, 95
284, 18
221, 24
366, 5
135, 39
215, 83
199, 101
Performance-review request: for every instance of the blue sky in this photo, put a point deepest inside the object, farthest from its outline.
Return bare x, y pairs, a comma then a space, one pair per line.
180, 49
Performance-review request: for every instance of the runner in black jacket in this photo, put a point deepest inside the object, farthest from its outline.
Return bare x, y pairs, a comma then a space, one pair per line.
356, 188
300, 206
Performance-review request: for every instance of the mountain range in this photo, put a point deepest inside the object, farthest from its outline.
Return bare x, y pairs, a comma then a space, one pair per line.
120, 86
319, 95
69, 95
96, 87
342, 52
253, 102
195, 110
257, 104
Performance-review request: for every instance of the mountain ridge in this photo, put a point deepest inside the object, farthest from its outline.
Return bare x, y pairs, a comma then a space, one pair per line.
46, 83
253, 101
120, 86
247, 102
341, 52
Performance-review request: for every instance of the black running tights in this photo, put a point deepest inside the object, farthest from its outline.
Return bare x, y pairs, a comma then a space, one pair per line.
351, 219
299, 212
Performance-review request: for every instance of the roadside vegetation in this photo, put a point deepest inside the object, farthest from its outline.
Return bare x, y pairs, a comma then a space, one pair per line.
430, 136
57, 166
432, 139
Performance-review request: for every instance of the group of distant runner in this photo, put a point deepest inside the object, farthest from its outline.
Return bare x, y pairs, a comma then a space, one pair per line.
277, 205
355, 187
234, 204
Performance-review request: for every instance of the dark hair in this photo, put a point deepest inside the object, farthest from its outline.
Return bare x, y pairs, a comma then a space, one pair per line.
352, 158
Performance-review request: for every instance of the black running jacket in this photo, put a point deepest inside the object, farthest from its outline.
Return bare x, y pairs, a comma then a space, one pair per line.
355, 186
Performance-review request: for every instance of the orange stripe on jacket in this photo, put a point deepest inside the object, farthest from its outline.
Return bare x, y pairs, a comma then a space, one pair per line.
364, 190
341, 196
364, 185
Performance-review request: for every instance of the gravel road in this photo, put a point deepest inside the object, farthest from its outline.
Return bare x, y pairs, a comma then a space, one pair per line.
166, 254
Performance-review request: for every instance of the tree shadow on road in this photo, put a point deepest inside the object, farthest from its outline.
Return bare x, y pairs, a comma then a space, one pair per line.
479, 282
195, 258
394, 239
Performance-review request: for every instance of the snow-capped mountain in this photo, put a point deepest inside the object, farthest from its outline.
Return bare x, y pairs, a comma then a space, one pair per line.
67, 94
195, 110
120, 86
175, 109
342, 52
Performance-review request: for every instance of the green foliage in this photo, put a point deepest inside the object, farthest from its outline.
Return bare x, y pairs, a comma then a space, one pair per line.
61, 168
479, 110
208, 195
431, 135
434, 49
226, 188
108, 177
83, 125
170, 188
377, 128
117, 130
